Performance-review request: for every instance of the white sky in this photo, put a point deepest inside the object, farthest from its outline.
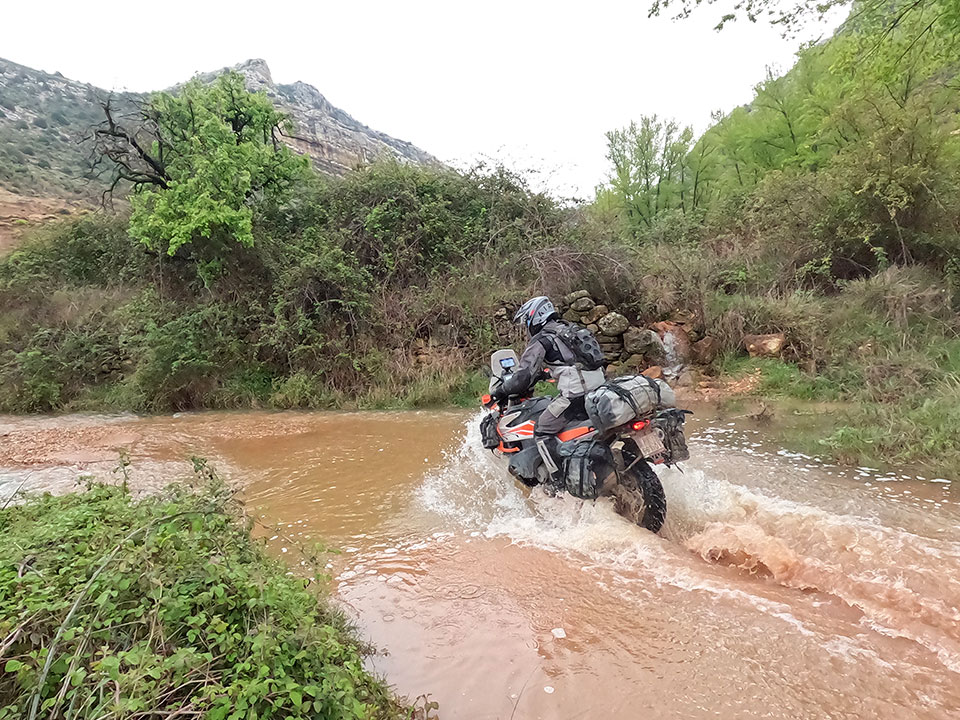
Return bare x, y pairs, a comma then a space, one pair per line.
535, 84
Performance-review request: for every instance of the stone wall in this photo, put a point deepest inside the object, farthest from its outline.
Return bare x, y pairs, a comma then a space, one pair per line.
669, 349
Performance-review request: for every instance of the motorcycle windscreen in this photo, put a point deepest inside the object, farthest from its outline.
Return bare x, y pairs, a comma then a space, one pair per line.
503, 362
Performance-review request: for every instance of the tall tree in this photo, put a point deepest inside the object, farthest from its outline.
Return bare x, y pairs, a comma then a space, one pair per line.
648, 173
199, 161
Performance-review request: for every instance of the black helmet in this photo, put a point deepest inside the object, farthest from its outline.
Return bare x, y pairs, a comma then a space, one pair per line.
535, 313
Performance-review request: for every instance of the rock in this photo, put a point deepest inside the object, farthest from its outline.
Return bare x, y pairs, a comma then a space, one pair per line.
570, 299
601, 338
614, 369
593, 328
635, 362
571, 316
613, 324
654, 372
502, 314
764, 345
583, 304
676, 343
705, 351
594, 315
641, 341
688, 378
335, 141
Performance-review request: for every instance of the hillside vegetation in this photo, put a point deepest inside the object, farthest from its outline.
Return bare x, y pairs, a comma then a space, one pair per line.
827, 209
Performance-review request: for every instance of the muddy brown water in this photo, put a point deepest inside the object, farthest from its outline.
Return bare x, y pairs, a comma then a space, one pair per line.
780, 587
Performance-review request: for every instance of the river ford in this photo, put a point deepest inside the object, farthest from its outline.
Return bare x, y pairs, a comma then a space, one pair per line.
780, 587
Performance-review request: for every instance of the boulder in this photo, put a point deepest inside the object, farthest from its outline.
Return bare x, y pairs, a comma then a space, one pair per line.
705, 351
582, 305
571, 316
654, 372
676, 343
635, 362
594, 315
764, 345
687, 378
502, 314
613, 324
614, 369
593, 328
570, 299
601, 338
641, 341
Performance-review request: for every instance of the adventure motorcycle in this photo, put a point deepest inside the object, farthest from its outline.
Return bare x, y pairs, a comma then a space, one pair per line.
591, 463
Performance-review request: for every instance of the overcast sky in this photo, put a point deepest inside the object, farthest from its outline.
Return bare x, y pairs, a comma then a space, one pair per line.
536, 84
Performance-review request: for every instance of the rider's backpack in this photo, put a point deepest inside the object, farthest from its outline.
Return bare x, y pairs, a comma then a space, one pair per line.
584, 346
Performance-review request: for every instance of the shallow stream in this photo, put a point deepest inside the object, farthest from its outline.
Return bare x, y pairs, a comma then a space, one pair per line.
780, 587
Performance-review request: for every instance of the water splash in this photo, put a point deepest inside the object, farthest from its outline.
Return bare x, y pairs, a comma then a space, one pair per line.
905, 584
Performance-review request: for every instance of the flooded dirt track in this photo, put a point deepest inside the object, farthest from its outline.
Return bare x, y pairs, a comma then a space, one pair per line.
780, 587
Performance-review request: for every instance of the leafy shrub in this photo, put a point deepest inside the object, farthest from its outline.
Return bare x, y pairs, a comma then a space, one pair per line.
114, 607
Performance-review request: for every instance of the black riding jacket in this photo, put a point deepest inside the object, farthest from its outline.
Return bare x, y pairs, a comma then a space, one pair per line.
543, 349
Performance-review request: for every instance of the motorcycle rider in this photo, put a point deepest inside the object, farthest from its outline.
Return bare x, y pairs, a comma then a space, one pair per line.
573, 358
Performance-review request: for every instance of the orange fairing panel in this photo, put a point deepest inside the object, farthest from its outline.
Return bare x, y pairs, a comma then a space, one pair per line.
574, 433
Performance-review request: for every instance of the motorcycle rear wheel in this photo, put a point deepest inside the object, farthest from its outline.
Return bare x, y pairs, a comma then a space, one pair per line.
639, 497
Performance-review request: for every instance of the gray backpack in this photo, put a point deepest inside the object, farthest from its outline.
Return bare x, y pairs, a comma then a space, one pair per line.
584, 346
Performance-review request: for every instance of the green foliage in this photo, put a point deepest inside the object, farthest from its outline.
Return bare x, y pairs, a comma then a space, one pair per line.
793, 15
113, 607
220, 153
845, 165
649, 171
325, 308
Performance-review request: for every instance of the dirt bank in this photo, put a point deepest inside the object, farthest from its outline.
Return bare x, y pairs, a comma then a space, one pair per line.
19, 213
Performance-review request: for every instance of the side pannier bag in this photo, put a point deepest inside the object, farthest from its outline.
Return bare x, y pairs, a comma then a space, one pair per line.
627, 398
488, 431
581, 461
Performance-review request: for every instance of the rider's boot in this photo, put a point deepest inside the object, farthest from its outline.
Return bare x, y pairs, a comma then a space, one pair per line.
548, 446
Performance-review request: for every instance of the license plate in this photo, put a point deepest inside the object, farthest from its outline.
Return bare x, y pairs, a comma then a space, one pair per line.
649, 442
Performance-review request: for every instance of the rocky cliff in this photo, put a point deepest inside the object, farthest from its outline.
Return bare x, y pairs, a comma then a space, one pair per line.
44, 119
331, 137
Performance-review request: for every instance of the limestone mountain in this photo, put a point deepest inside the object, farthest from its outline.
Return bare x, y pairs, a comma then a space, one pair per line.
45, 118
331, 137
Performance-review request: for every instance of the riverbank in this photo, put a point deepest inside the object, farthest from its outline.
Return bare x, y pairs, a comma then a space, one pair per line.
166, 605
337, 305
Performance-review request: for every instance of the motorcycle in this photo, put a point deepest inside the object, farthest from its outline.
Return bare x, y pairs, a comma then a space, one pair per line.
591, 463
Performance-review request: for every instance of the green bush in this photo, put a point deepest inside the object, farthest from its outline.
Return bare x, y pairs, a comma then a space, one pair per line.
112, 607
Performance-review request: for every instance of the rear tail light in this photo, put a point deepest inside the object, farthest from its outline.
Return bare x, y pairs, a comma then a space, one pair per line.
640, 425
485, 399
